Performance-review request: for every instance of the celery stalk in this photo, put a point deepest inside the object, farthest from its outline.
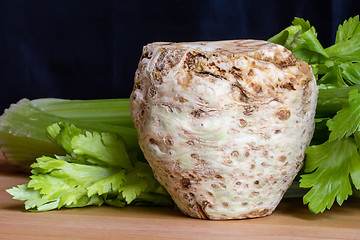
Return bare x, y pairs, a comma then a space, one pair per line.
107, 111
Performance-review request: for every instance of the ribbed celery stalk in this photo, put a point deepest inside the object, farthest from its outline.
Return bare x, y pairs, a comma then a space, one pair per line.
107, 111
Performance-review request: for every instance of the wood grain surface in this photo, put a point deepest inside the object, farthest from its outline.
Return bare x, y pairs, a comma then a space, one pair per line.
291, 220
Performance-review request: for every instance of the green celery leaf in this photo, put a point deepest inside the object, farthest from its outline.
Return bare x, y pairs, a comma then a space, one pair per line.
67, 183
348, 29
333, 77
138, 180
132, 189
282, 36
62, 133
309, 56
31, 197
290, 36
108, 184
305, 25
329, 167
293, 41
347, 120
97, 170
63, 169
348, 50
102, 148
347, 42
58, 183
302, 40
351, 72
312, 44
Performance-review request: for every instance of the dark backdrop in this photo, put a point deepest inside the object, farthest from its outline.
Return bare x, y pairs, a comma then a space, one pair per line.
89, 49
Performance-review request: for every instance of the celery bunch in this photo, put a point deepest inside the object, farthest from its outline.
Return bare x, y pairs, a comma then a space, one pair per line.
23, 126
93, 163
332, 165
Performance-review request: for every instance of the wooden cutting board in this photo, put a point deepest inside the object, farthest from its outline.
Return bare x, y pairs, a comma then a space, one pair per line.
291, 220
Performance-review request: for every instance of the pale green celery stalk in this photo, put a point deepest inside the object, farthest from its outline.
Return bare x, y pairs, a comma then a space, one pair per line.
23, 126
107, 111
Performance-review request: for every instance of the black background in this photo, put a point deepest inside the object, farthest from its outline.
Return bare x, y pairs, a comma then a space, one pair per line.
87, 49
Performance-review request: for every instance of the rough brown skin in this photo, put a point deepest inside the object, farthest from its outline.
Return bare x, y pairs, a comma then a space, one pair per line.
224, 125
